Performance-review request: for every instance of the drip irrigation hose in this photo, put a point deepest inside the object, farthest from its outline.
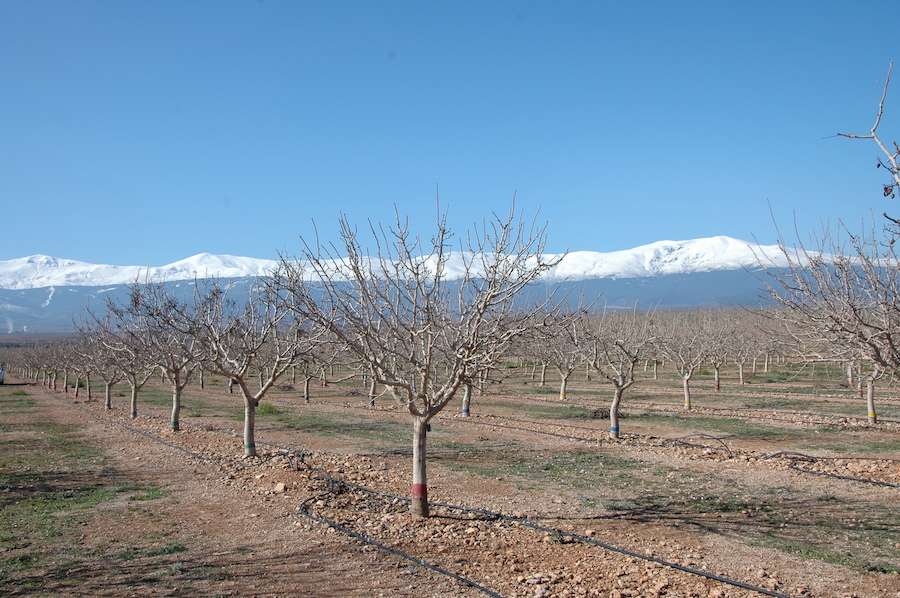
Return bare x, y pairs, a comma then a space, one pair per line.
491, 515
680, 440
800, 456
508, 427
332, 484
336, 486
197, 456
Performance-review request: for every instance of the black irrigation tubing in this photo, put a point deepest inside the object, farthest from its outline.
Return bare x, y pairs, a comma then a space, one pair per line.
499, 516
305, 511
545, 433
800, 456
197, 456
334, 483
680, 440
763, 414
291, 454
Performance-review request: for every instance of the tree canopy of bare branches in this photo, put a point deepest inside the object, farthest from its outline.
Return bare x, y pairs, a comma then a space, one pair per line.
612, 343
423, 319
840, 295
238, 337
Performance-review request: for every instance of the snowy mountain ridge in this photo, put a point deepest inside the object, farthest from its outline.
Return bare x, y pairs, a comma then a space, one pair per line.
656, 259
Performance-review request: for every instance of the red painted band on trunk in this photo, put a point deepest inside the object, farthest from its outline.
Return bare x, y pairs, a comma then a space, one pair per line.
419, 491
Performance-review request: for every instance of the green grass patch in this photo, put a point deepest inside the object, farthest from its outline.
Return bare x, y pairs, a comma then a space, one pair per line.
268, 409
369, 429
54, 486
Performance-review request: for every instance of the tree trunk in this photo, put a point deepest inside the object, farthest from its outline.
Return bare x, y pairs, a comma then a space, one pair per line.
543, 374
87, 386
741, 373
249, 428
306, 381
66, 382
176, 407
614, 413
134, 395
372, 389
716, 378
77, 384
108, 399
202, 380
687, 391
419, 503
870, 400
467, 399
562, 388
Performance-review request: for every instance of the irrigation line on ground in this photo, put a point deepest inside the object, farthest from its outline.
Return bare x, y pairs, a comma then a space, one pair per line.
334, 483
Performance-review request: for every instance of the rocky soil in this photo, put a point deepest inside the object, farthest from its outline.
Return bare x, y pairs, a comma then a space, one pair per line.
327, 519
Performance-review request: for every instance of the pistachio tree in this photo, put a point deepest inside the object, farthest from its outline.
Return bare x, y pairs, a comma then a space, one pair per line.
422, 318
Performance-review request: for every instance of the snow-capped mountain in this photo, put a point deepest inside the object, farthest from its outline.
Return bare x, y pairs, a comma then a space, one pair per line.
667, 257
655, 259
40, 271
42, 294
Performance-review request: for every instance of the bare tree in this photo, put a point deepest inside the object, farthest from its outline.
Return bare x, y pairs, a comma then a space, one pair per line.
100, 359
118, 349
842, 299
840, 294
175, 351
236, 335
747, 342
126, 336
612, 344
556, 343
891, 151
684, 339
422, 318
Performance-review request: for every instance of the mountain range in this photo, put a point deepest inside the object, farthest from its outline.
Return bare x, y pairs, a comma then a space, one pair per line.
42, 294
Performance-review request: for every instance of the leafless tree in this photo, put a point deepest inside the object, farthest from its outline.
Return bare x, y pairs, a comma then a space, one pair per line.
724, 330
841, 292
748, 341
612, 344
556, 343
890, 151
421, 317
685, 339
174, 350
126, 336
842, 299
235, 334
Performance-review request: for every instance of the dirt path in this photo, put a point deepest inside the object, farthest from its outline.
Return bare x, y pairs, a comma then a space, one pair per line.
235, 543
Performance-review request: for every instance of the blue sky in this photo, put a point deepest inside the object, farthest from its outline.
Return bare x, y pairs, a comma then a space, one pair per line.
141, 133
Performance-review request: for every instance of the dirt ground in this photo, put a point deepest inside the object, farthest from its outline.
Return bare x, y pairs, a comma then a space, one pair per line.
239, 527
